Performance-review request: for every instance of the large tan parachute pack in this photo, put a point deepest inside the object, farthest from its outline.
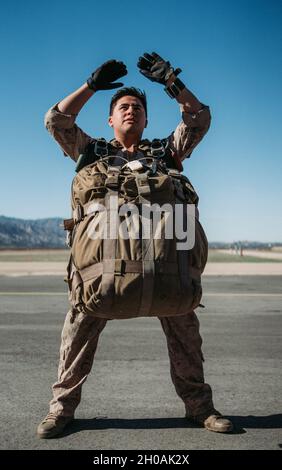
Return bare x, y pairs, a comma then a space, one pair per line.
114, 276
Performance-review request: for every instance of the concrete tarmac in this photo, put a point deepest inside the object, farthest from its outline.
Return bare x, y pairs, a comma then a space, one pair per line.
129, 401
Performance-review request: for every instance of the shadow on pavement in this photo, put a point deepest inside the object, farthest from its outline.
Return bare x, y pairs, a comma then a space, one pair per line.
257, 422
240, 422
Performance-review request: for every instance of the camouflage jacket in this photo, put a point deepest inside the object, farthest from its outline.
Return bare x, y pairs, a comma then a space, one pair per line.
73, 140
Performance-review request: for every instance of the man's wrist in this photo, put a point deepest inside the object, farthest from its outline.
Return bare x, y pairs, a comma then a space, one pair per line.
91, 84
175, 88
170, 80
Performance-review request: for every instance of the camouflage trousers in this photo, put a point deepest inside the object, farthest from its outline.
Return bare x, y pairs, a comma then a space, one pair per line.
79, 344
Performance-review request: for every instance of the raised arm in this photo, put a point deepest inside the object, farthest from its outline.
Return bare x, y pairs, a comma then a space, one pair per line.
73, 103
60, 118
195, 115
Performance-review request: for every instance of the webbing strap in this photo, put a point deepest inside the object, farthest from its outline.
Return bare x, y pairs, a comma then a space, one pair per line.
178, 189
184, 275
148, 253
144, 191
148, 276
186, 272
82, 211
126, 266
92, 271
109, 254
143, 186
112, 180
78, 213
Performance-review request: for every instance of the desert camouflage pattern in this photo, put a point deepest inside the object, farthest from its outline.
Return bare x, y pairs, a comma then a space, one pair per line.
79, 343
81, 333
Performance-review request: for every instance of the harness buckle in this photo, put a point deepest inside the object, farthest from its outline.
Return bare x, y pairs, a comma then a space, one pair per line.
119, 267
101, 148
157, 148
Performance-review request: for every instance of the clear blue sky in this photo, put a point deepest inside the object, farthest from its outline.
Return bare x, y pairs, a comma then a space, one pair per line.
231, 56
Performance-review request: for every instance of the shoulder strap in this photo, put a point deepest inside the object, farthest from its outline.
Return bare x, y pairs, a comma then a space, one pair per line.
96, 149
160, 149
157, 148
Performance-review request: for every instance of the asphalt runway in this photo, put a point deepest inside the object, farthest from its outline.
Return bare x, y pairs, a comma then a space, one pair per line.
129, 401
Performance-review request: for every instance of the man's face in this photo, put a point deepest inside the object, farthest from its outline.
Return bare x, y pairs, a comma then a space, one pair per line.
128, 116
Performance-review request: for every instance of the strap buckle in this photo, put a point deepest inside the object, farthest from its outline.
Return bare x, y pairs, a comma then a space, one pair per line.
112, 182
101, 148
119, 267
157, 148
175, 88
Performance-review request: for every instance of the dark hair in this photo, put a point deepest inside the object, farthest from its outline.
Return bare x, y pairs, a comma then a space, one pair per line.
129, 91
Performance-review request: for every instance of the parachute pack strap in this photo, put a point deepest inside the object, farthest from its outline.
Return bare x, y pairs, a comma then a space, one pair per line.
184, 274
148, 274
123, 266
173, 172
91, 272
93, 152
109, 254
120, 267
158, 148
143, 186
78, 214
112, 180
144, 191
177, 161
101, 148
82, 211
178, 189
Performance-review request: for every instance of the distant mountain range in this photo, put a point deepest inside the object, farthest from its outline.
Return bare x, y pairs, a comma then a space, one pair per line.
47, 233
40, 233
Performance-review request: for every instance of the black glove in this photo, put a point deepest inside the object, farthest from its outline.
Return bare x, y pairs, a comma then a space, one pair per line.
107, 73
156, 68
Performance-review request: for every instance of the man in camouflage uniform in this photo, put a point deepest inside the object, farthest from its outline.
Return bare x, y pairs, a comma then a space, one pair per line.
128, 117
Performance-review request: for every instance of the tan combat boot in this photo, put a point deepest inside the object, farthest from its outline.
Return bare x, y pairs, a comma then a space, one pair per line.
213, 421
52, 425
